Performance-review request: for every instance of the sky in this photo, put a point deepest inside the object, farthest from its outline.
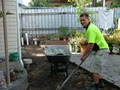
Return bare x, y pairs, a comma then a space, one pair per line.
25, 2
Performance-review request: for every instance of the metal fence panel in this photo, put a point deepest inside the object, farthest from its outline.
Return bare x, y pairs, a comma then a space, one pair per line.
48, 20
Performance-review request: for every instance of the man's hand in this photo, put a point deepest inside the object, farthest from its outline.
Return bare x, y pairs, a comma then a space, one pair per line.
87, 51
83, 58
86, 42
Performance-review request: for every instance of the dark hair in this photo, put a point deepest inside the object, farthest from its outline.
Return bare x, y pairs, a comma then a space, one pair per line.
84, 14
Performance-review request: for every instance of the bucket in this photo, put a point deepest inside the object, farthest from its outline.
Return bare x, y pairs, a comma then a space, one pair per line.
36, 41
27, 61
13, 56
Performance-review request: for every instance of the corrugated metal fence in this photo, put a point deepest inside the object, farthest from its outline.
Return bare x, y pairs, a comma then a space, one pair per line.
48, 20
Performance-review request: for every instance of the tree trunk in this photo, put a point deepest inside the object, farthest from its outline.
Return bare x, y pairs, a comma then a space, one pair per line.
94, 2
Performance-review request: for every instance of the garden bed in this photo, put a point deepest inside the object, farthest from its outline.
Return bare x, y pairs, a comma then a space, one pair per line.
39, 77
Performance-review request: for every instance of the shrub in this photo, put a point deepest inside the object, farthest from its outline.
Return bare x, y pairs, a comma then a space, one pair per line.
48, 37
63, 32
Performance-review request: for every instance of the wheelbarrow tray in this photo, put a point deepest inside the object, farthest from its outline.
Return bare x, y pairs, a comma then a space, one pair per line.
58, 58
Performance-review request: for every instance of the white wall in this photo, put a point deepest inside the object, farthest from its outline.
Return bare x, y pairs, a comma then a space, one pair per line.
11, 28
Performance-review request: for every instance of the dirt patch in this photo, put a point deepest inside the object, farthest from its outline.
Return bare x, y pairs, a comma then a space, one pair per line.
39, 77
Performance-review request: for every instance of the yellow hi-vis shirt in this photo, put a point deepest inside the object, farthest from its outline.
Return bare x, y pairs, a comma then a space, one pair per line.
94, 35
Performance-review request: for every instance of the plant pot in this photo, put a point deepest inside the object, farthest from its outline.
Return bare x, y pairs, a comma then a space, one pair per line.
116, 49
61, 38
72, 47
67, 39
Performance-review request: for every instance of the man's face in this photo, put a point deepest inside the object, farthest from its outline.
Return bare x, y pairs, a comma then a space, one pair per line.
84, 21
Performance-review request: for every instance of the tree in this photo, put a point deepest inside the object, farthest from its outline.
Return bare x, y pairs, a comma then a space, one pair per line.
81, 7
39, 3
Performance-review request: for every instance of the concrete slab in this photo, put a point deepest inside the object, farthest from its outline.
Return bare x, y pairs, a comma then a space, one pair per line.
21, 82
111, 70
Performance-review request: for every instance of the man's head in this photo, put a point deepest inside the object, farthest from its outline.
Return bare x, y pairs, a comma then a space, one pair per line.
84, 19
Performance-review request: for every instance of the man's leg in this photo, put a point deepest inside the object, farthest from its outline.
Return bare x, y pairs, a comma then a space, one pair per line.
101, 82
96, 77
95, 68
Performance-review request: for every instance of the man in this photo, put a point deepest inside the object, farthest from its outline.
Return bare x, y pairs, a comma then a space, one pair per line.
96, 43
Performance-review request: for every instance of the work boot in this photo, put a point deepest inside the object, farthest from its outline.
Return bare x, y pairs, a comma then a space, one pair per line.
101, 83
95, 87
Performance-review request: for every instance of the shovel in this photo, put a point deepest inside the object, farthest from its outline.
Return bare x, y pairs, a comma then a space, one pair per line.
60, 87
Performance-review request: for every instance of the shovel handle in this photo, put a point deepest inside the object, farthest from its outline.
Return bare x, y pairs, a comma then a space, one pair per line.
69, 76
60, 87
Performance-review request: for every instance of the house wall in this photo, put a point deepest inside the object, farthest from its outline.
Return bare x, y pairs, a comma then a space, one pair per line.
109, 2
11, 28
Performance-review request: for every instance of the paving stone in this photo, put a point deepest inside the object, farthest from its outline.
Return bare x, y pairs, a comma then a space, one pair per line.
111, 70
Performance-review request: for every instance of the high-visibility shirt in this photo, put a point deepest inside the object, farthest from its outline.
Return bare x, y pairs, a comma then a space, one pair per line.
93, 35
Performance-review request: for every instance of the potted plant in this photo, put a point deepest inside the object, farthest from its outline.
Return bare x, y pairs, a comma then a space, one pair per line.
114, 40
73, 32
81, 42
77, 43
72, 45
63, 32
109, 40
48, 37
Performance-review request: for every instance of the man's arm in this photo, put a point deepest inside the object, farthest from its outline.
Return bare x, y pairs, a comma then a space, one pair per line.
87, 51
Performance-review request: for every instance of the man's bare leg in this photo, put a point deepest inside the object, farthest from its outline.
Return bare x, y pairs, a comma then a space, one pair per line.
96, 77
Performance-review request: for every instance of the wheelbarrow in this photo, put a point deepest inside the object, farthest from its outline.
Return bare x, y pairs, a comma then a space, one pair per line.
59, 57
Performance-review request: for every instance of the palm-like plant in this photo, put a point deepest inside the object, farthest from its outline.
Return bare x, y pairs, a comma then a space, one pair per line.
7, 13
63, 32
